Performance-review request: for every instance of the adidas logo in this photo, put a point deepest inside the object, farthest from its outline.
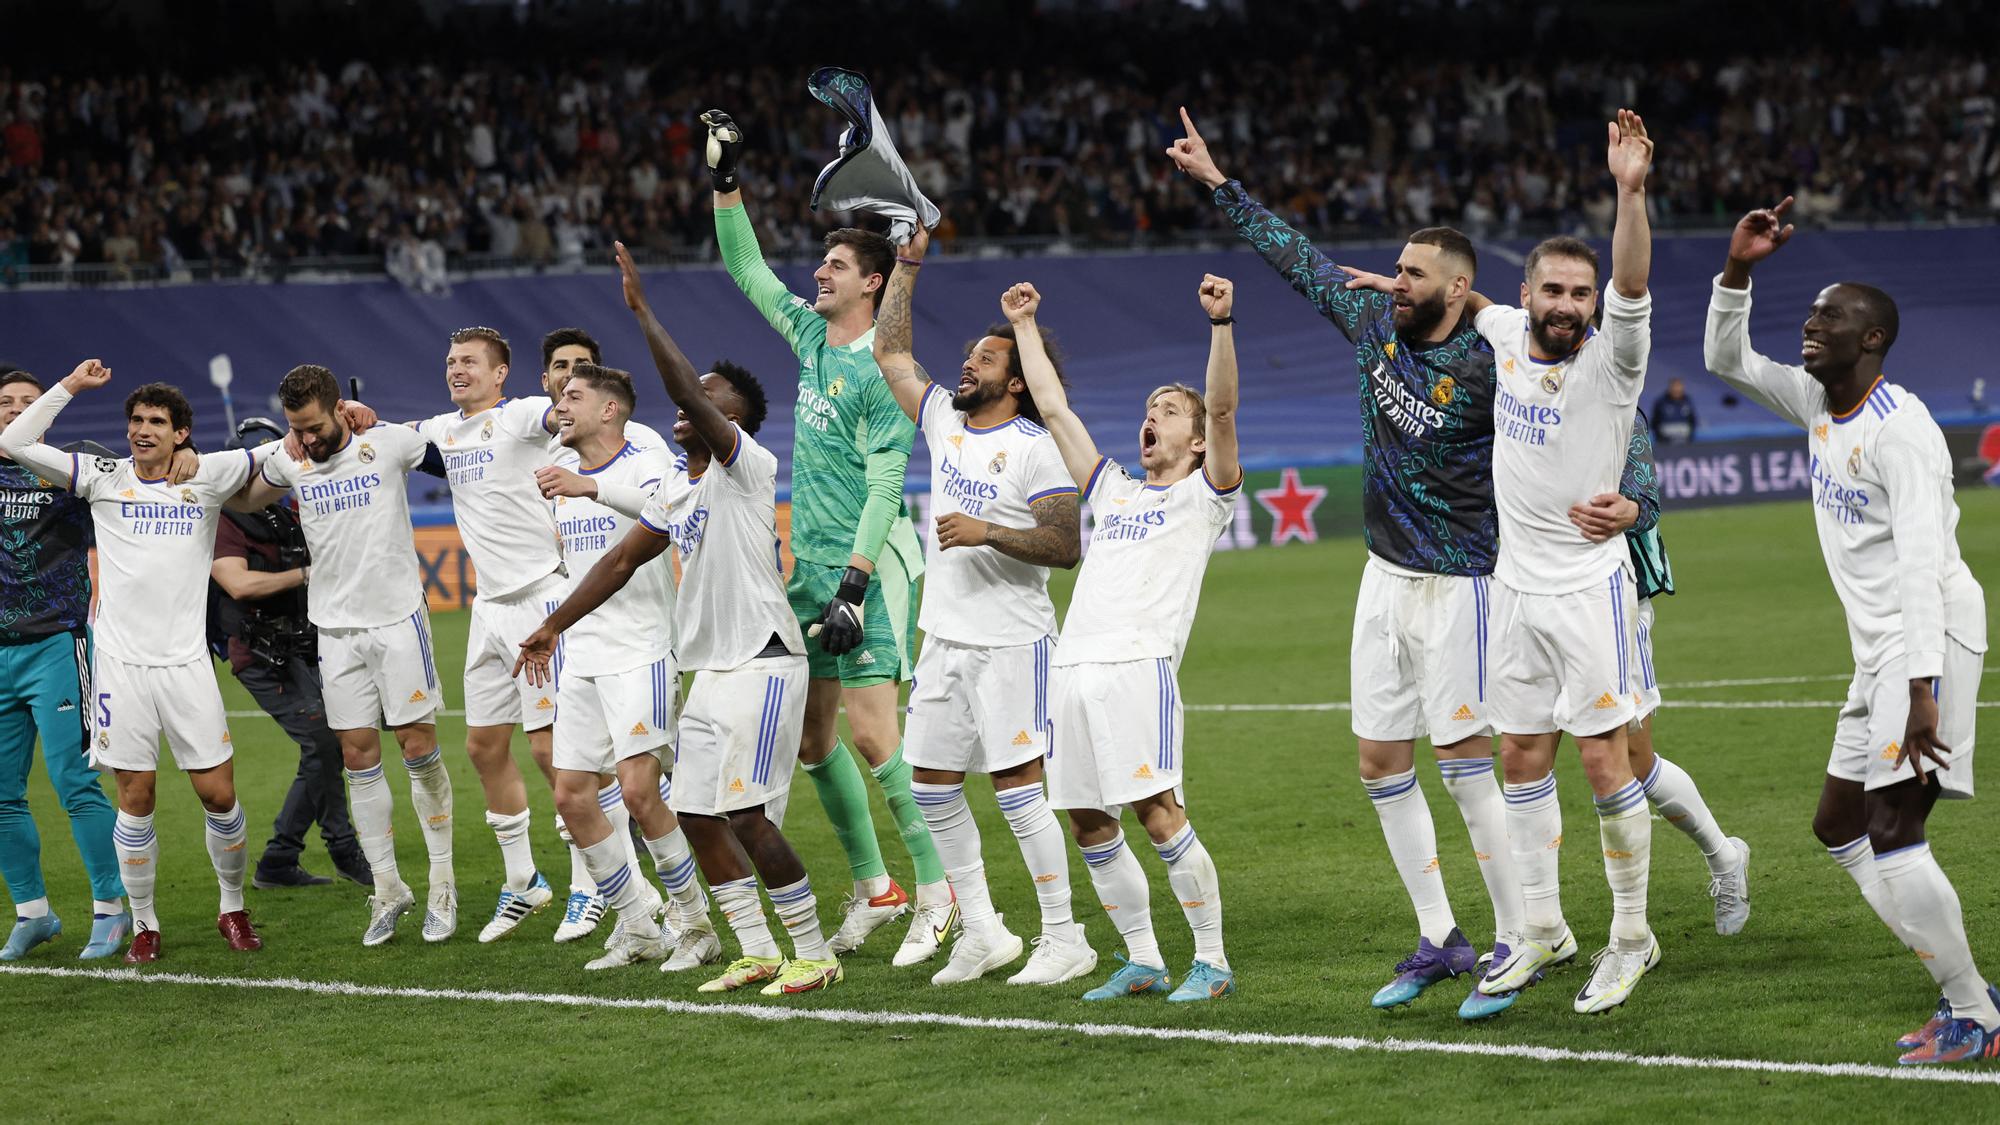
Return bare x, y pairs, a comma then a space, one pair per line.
736, 786
418, 697
1191, 903
1433, 865
1508, 364
865, 658
1555, 843
1480, 856
1890, 751
233, 848
1463, 714
1022, 739
1143, 772
1049, 878
137, 861
441, 818
66, 705
1923, 954
128, 494
1605, 702
957, 440
543, 704
638, 728
1819, 431
1613, 853
225, 738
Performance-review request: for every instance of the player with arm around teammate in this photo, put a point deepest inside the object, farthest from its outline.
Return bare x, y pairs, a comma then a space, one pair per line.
1916, 617
1115, 707
737, 738
1004, 511
151, 674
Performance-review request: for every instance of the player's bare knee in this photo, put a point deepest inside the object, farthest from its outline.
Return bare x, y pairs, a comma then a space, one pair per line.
417, 740
1089, 827
1014, 777
1385, 759
1478, 746
1605, 763
940, 777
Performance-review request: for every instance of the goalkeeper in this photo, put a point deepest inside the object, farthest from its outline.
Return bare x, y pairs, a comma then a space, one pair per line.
853, 584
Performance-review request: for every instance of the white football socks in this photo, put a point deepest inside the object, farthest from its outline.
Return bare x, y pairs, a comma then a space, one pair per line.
632, 897
1534, 834
744, 912
371, 805
511, 831
799, 911
1041, 840
226, 836
1934, 925
1412, 840
430, 796
675, 865
1474, 789
1192, 874
956, 835
1625, 827
1674, 793
1857, 858
1121, 886
139, 865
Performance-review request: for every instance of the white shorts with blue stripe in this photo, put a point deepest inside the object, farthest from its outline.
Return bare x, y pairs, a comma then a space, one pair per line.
978, 710
1868, 738
383, 675
1565, 662
1642, 662
1419, 664
739, 738
603, 720
1116, 733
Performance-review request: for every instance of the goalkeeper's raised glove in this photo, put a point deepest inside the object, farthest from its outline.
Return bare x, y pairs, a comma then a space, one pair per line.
839, 625
725, 143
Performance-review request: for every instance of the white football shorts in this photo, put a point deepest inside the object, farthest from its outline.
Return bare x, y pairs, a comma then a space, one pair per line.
1564, 661
1419, 660
978, 710
739, 738
604, 720
1876, 715
387, 674
135, 704
494, 696
1116, 735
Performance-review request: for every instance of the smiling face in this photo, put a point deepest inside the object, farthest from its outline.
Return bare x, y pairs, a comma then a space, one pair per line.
473, 374
320, 430
843, 286
150, 430
987, 375
14, 398
1839, 330
1560, 296
561, 362
1173, 437
1427, 279
583, 413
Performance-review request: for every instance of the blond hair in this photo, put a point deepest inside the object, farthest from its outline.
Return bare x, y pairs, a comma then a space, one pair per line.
1198, 411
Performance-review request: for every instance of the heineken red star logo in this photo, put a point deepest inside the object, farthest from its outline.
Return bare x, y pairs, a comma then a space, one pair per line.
1291, 506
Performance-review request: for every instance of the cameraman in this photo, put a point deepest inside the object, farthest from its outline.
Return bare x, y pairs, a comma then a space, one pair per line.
257, 617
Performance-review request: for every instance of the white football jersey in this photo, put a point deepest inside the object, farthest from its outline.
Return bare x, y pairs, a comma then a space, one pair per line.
1141, 578
976, 595
355, 508
638, 433
1882, 500
635, 626
1560, 432
724, 523
490, 460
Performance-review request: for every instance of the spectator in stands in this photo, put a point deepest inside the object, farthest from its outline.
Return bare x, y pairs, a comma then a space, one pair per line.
1673, 415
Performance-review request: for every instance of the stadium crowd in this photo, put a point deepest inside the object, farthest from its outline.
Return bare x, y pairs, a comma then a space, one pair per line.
275, 165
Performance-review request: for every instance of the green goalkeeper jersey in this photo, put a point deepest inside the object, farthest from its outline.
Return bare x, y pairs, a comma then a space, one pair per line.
845, 414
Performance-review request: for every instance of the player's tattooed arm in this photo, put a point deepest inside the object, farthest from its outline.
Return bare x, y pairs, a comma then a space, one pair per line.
1019, 304
894, 331
1054, 540
677, 374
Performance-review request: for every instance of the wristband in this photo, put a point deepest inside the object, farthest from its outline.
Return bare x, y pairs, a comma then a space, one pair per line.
902, 261
1219, 321
853, 586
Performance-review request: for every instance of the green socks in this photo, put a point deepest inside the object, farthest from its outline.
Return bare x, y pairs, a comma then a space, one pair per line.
844, 795
894, 777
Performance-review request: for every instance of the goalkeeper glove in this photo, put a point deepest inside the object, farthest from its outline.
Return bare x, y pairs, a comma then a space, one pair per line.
725, 142
839, 625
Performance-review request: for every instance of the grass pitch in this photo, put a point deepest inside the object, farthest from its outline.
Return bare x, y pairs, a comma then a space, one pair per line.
1315, 919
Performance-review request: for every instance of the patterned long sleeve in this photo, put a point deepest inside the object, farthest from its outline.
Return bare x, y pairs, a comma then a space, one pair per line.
1641, 480
1310, 272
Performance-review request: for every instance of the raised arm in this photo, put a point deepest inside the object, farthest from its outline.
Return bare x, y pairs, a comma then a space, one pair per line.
1786, 391
1218, 297
736, 239
1019, 304
1311, 273
677, 374
1630, 156
22, 439
639, 547
894, 330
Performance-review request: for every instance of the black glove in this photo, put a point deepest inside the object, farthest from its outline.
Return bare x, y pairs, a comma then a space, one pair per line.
839, 626
725, 143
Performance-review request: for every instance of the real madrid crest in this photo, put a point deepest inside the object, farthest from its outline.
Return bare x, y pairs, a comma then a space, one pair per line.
833, 388
1441, 394
1552, 382
367, 453
486, 431
187, 494
1854, 462
998, 464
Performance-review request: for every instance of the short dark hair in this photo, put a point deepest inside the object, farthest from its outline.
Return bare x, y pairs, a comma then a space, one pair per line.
747, 388
1050, 345
872, 252
308, 382
1450, 241
10, 374
564, 337
493, 338
166, 396
610, 380
1880, 309
1561, 246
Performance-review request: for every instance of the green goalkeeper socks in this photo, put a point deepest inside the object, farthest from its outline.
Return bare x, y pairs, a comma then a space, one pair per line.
844, 795
894, 777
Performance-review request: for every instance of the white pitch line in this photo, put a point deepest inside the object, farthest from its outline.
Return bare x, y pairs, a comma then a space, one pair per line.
777, 1014
1766, 681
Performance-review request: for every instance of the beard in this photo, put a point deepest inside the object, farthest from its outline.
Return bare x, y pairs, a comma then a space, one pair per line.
321, 454
1423, 316
1556, 345
980, 395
